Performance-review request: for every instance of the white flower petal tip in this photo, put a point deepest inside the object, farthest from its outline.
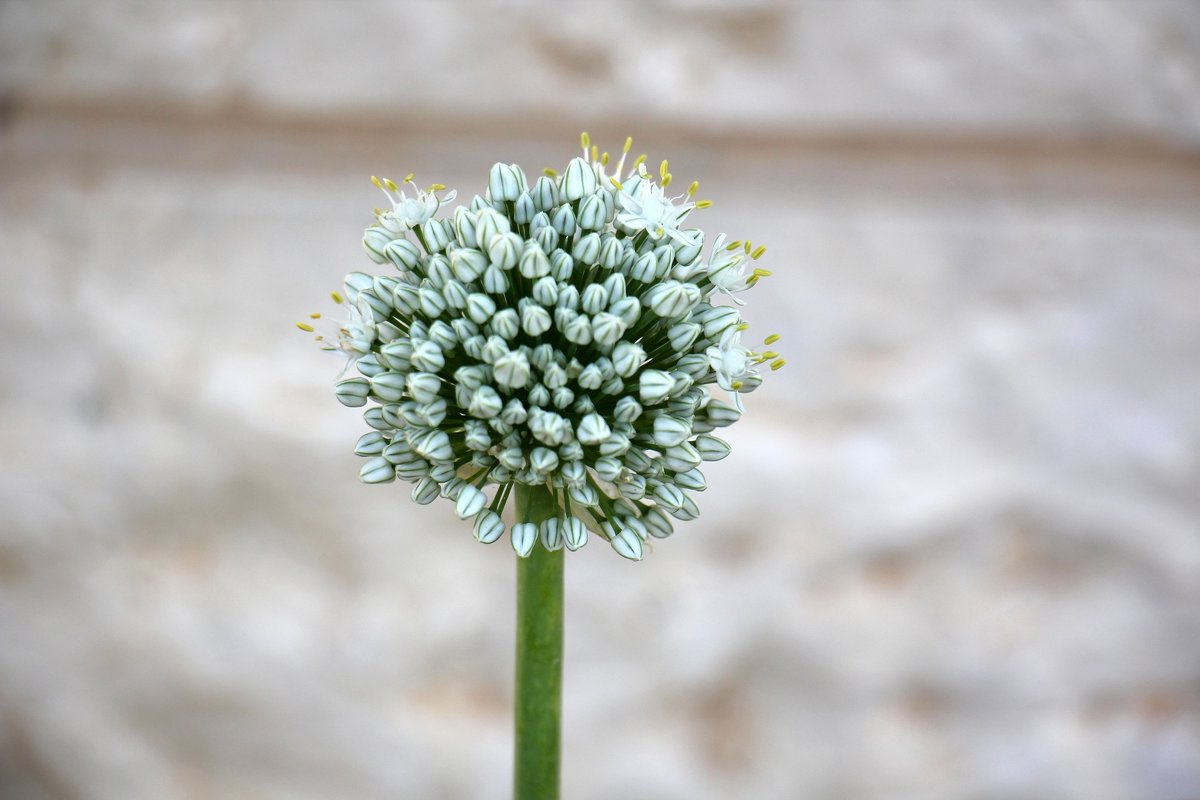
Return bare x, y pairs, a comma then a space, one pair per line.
628, 545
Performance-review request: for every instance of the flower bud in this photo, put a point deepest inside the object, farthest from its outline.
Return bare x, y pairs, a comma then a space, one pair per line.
403, 254
592, 430
488, 527
485, 403
627, 544
693, 479
470, 502
524, 537
423, 386
352, 392
591, 214
579, 180
551, 534
375, 239
654, 385
587, 249
543, 460
574, 533
377, 470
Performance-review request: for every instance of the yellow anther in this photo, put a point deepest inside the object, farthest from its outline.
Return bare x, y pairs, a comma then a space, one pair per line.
772, 339
662, 169
604, 159
377, 210
391, 184
777, 363
628, 144
319, 338
436, 187
704, 204
616, 183
747, 247
408, 178
637, 162
734, 245
767, 356
550, 173
378, 183
743, 326
737, 385
666, 181
315, 315
337, 298
692, 188
753, 279
304, 326
762, 273
595, 151
585, 141
758, 251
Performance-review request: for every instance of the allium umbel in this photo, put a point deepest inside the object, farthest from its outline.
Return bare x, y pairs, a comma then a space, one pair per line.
561, 334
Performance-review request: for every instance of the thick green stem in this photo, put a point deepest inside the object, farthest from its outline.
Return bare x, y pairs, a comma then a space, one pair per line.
538, 695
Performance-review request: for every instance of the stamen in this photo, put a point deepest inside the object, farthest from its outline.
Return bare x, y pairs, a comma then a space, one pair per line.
304, 326
772, 339
604, 159
777, 364
704, 204
758, 251
734, 245
337, 298
550, 173
747, 247
378, 183
408, 178
737, 385
662, 169
763, 273
315, 315
391, 184
628, 144
616, 183
585, 141
692, 188
743, 326
436, 187
666, 181
595, 151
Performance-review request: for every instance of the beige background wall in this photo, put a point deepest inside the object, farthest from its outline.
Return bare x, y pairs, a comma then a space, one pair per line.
956, 551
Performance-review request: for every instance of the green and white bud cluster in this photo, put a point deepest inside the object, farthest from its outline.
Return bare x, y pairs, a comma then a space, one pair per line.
561, 333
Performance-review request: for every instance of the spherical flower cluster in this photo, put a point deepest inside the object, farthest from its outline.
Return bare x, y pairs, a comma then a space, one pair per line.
562, 334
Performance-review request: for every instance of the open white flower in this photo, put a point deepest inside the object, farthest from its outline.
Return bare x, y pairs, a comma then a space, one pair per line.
409, 212
731, 363
645, 207
727, 270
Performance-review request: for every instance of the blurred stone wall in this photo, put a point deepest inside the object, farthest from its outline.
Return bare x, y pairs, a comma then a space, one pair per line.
956, 551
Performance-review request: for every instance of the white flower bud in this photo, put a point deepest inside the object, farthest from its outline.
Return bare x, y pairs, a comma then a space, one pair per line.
425, 491
627, 409
470, 502
480, 308
370, 444
608, 468
374, 241
612, 252
539, 395
545, 194
432, 302
511, 370
563, 221
524, 536
545, 291
533, 263
574, 533
464, 226
682, 336
388, 387
488, 527
719, 320
633, 487
615, 445
352, 392
505, 250
693, 479
607, 329
503, 183
423, 386
629, 309
562, 397
468, 263
591, 214
587, 249
578, 330
377, 470
551, 534
403, 254
654, 385
543, 460
494, 280
643, 268
562, 266
680, 458
579, 180
722, 414
535, 320
437, 235
485, 403
592, 430
711, 448
427, 357
627, 544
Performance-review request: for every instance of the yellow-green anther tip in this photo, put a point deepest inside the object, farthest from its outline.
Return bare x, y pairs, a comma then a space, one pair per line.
662, 169
304, 326
704, 204
666, 181
550, 173
391, 184
337, 298
616, 183
315, 315
628, 144
408, 178
376, 181
757, 254
584, 140
734, 245
772, 339
743, 326
778, 363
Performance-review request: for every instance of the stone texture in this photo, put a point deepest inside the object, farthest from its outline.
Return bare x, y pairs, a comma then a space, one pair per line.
956, 551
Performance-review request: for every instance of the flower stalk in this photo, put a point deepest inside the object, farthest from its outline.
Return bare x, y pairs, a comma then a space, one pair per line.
539, 658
